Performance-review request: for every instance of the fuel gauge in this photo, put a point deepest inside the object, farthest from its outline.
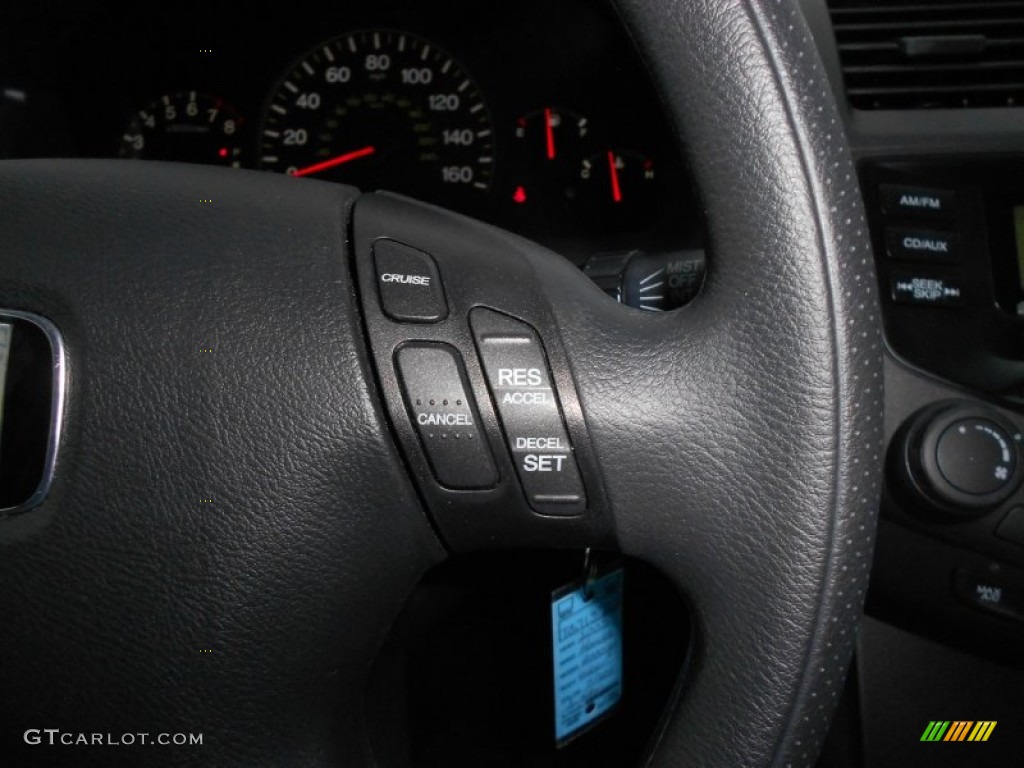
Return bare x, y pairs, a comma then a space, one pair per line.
550, 144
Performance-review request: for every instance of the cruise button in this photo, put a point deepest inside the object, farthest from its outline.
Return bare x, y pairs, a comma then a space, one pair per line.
409, 283
517, 375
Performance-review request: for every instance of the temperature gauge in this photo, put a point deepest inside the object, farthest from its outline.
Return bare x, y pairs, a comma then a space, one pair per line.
620, 185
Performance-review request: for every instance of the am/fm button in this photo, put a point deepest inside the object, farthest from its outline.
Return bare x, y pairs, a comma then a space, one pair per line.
918, 202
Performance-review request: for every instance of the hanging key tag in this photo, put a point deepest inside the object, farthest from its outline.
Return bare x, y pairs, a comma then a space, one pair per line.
586, 633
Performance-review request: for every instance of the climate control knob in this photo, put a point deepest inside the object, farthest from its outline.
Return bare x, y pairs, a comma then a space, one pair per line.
961, 457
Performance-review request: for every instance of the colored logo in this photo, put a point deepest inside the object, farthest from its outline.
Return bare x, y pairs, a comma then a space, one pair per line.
958, 730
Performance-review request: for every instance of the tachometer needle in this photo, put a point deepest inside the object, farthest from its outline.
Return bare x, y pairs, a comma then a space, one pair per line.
614, 173
549, 131
334, 161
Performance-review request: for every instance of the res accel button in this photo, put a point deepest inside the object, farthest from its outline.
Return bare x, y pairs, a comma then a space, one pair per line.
409, 283
517, 375
445, 416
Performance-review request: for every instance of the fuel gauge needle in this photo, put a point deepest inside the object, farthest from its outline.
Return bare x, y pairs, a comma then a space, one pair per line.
335, 161
614, 173
549, 132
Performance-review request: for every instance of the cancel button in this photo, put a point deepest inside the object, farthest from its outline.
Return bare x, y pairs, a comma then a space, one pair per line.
907, 244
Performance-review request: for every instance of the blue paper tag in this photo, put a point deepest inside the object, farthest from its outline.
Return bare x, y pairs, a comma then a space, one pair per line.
587, 637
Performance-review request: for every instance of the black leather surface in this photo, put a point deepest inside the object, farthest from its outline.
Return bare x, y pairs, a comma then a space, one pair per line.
113, 589
740, 439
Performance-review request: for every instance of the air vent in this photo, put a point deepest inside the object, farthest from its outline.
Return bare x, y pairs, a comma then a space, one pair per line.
911, 54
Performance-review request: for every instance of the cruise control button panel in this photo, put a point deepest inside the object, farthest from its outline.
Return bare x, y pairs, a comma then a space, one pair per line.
518, 377
475, 381
445, 417
409, 283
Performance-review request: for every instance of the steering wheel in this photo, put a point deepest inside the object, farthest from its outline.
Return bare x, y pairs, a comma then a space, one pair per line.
734, 445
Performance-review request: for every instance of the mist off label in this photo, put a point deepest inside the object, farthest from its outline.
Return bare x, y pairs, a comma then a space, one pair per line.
586, 625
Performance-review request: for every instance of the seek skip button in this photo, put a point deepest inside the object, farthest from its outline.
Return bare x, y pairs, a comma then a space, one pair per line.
926, 290
409, 283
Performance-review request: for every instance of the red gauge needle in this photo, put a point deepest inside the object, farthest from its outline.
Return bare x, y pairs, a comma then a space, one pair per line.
549, 131
614, 173
335, 161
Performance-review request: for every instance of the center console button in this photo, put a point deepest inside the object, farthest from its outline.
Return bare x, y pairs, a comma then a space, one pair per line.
907, 244
924, 289
990, 592
917, 202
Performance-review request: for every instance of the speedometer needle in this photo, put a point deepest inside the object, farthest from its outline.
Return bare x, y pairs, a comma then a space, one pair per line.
334, 161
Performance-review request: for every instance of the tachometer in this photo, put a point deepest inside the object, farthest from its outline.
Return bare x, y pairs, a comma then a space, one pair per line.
186, 126
382, 109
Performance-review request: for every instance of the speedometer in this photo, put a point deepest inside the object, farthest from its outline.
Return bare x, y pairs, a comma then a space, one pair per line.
382, 109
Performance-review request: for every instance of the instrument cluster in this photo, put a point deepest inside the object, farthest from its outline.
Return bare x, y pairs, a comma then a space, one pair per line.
536, 116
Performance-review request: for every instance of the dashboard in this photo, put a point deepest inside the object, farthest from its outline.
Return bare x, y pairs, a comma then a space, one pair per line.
534, 116
930, 94
539, 117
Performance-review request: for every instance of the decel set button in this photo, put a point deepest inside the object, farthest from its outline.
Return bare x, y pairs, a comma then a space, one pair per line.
436, 396
520, 383
409, 283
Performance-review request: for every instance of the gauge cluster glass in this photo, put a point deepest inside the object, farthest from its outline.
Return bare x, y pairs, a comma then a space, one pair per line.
381, 109
535, 116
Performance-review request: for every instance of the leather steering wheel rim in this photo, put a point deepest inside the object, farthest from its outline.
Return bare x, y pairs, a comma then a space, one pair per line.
735, 444
767, 148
